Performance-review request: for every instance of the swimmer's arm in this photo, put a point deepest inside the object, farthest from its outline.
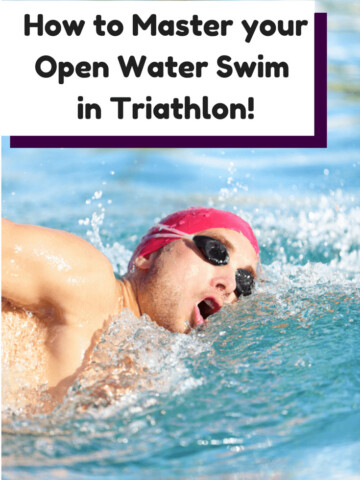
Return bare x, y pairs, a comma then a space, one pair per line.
52, 271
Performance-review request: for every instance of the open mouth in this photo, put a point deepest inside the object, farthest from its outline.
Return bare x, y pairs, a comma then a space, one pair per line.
204, 309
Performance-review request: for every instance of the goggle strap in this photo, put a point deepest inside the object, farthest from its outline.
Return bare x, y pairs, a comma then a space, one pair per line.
173, 233
164, 235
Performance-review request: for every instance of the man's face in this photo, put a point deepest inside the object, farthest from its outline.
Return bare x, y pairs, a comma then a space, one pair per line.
179, 288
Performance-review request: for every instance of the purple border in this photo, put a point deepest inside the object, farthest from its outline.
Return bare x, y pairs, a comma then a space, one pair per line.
319, 140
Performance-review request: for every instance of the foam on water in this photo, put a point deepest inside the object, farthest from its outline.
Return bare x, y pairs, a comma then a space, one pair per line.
269, 375
134, 356
134, 361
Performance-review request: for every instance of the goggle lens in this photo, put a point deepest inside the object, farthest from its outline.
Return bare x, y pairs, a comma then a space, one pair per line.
216, 253
213, 250
244, 282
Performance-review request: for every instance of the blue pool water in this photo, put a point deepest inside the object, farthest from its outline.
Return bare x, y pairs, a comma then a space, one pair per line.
271, 388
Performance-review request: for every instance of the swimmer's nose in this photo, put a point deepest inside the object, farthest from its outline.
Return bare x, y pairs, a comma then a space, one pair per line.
224, 280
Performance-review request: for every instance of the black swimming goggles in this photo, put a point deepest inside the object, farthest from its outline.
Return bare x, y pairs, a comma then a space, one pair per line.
215, 252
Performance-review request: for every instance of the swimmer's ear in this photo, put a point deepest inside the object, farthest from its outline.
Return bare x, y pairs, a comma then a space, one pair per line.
144, 263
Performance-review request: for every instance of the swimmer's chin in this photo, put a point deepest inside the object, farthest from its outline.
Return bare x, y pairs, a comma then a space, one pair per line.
190, 326
183, 326
172, 326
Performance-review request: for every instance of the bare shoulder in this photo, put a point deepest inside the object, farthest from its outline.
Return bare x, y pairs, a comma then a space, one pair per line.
47, 267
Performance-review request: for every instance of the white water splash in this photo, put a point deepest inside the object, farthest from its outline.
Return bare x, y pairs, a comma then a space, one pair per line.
133, 359
118, 255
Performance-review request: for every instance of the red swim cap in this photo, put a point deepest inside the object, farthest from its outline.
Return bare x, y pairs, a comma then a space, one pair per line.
192, 220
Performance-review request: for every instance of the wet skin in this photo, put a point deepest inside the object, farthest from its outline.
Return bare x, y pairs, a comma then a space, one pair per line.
70, 288
176, 280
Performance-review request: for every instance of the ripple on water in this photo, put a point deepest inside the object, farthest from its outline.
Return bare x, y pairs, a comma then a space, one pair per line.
278, 369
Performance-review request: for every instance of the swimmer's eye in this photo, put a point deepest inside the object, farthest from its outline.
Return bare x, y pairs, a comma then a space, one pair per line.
244, 282
216, 253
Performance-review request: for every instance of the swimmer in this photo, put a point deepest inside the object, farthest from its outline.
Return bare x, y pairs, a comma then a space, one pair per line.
61, 290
